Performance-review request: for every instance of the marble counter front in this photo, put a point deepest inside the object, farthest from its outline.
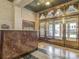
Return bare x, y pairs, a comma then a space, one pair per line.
14, 43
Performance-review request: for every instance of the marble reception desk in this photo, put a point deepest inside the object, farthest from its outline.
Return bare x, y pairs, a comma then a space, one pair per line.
14, 43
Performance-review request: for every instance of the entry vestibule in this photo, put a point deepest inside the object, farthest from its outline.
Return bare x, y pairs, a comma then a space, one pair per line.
62, 31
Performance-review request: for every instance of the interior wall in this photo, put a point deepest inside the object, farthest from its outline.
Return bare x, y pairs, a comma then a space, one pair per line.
23, 14
6, 13
13, 15
37, 22
17, 18
28, 15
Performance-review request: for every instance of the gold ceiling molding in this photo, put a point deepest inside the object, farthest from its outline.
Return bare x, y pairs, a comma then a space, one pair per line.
59, 12
59, 6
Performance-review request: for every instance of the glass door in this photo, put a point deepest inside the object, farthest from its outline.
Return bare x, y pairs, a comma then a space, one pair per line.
50, 29
71, 30
42, 29
58, 26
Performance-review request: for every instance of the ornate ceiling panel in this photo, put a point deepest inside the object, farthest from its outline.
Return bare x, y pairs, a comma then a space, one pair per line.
36, 8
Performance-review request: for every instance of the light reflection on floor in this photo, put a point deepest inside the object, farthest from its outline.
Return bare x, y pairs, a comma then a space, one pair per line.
48, 51
54, 52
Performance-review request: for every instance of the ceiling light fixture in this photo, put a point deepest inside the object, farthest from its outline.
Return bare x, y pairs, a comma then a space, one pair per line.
38, 3
47, 3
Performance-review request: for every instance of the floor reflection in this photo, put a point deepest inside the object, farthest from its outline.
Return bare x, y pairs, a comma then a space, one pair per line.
58, 53
47, 51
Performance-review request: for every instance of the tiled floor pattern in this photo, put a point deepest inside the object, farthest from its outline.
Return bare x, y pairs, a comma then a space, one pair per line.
48, 51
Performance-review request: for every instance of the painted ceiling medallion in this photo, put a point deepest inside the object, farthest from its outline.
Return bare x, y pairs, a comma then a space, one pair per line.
59, 12
71, 9
50, 14
42, 16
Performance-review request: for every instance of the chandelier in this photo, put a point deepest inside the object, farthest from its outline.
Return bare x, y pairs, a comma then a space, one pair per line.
46, 2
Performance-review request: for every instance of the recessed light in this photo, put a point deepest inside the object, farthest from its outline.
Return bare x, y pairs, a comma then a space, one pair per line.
38, 3
47, 3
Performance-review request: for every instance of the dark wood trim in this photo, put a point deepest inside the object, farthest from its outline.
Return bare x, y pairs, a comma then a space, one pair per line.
64, 33
78, 29
78, 32
1, 44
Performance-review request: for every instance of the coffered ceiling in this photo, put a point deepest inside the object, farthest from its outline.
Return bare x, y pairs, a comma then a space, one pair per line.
36, 8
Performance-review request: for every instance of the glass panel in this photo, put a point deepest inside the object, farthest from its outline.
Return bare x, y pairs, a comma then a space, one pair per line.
67, 31
42, 29
71, 30
58, 30
50, 30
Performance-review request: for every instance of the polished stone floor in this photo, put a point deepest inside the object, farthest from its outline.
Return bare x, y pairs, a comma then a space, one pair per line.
49, 51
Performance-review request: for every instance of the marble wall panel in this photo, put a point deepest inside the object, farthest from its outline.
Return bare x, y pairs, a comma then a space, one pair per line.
16, 43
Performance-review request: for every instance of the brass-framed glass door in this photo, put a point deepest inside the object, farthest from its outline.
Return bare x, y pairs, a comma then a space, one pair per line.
71, 29
71, 32
58, 29
42, 29
49, 31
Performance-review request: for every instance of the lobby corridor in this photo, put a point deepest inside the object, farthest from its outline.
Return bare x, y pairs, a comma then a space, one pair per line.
39, 29
49, 51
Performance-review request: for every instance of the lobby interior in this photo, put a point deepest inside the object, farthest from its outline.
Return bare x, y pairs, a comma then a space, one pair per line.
39, 29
